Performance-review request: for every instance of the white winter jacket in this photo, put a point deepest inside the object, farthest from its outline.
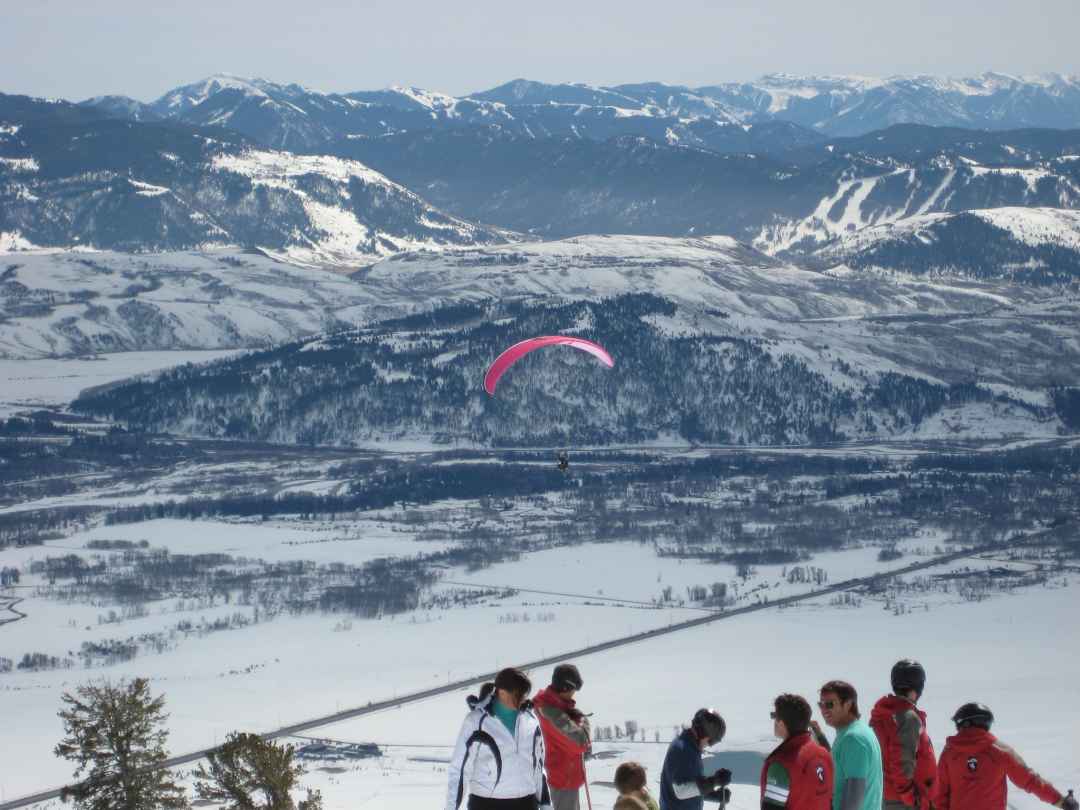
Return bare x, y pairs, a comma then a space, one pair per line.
491, 762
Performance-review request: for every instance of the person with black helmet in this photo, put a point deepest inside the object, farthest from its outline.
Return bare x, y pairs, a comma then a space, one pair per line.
499, 753
975, 764
566, 736
908, 760
683, 783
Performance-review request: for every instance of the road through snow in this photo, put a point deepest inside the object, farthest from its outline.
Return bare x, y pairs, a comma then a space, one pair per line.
635, 638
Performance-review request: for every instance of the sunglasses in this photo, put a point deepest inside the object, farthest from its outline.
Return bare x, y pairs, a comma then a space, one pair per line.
826, 704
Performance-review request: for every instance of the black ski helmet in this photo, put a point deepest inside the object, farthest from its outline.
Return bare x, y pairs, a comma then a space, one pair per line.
908, 674
708, 723
974, 714
566, 677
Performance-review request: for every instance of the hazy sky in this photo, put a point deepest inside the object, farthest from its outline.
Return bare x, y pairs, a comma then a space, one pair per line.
78, 48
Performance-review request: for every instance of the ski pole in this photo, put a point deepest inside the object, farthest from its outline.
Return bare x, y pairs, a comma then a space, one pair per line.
588, 798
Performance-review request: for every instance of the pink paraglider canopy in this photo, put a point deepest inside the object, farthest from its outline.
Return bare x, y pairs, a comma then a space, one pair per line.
519, 350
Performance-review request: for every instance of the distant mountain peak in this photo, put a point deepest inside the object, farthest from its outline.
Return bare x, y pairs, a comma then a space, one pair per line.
433, 100
182, 99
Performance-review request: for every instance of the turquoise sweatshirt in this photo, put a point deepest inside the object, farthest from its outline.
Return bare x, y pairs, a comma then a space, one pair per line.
857, 755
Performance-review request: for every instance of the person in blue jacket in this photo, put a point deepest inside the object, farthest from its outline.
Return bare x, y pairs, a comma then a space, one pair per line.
683, 784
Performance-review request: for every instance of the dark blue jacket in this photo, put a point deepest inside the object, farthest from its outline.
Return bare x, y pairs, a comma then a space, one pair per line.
682, 765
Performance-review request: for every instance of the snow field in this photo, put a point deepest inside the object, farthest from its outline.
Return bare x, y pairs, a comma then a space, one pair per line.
293, 668
51, 382
1007, 652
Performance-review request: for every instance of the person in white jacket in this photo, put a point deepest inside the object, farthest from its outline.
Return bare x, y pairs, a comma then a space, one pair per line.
499, 756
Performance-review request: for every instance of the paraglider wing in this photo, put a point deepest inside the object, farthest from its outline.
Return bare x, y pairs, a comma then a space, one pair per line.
519, 350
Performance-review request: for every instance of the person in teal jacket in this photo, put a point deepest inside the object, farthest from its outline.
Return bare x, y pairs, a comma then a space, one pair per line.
857, 777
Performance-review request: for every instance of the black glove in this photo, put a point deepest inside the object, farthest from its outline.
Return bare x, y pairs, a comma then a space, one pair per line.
1070, 803
722, 795
706, 785
710, 784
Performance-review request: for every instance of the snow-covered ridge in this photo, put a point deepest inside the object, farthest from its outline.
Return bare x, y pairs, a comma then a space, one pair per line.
700, 273
1036, 226
865, 196
1030, 226
427, 98
345, 232
64, 303
268, 168
183, 98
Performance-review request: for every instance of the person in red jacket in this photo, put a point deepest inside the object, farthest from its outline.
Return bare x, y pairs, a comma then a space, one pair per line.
975, 765
798, 775
907, 755
566, 736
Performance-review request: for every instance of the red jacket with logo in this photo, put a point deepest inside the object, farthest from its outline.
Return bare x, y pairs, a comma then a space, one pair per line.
972, 771
566, 739
907, 756
807, 770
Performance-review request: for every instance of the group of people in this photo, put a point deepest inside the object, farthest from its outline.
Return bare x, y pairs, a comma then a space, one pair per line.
514, 753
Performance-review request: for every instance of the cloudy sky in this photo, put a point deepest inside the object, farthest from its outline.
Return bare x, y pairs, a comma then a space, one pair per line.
78, 48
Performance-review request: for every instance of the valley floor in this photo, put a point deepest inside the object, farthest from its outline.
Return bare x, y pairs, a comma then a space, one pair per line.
1008, 651
631, 540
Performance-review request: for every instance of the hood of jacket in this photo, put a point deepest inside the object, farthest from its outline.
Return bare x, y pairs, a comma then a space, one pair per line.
892, 705
549, 697
971, 740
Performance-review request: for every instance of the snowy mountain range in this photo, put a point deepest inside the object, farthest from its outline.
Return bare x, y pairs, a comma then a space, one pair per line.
294, 117
794, 202
66, 179
177, 175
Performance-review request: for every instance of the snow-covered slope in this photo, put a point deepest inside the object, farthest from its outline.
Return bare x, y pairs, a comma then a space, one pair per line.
56, 304
1039, 245
707, 272
1036, 226
878, 192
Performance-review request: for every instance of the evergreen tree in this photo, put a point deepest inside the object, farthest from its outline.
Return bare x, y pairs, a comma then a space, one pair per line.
115, 734
250, 773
